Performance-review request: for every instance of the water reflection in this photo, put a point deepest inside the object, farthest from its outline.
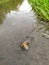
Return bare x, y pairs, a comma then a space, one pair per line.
25, 7
1, 17
7, 7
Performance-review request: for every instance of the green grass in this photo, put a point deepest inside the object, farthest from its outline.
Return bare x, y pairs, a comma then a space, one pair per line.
41, 7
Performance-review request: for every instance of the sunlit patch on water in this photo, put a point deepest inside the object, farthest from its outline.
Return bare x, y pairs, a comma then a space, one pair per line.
25, 7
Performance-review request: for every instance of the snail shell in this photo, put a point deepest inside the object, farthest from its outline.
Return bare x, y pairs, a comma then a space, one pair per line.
25, 45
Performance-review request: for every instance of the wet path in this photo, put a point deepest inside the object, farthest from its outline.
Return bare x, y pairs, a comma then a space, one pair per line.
16, 26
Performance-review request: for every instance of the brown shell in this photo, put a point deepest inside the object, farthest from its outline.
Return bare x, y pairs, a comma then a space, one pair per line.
24, 44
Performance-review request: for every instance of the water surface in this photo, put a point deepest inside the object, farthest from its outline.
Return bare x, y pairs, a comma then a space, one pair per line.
17, 21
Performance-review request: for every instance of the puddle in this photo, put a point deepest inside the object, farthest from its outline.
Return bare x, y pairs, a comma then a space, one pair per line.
17, 21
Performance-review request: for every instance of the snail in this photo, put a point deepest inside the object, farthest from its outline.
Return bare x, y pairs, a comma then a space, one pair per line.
25, 45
